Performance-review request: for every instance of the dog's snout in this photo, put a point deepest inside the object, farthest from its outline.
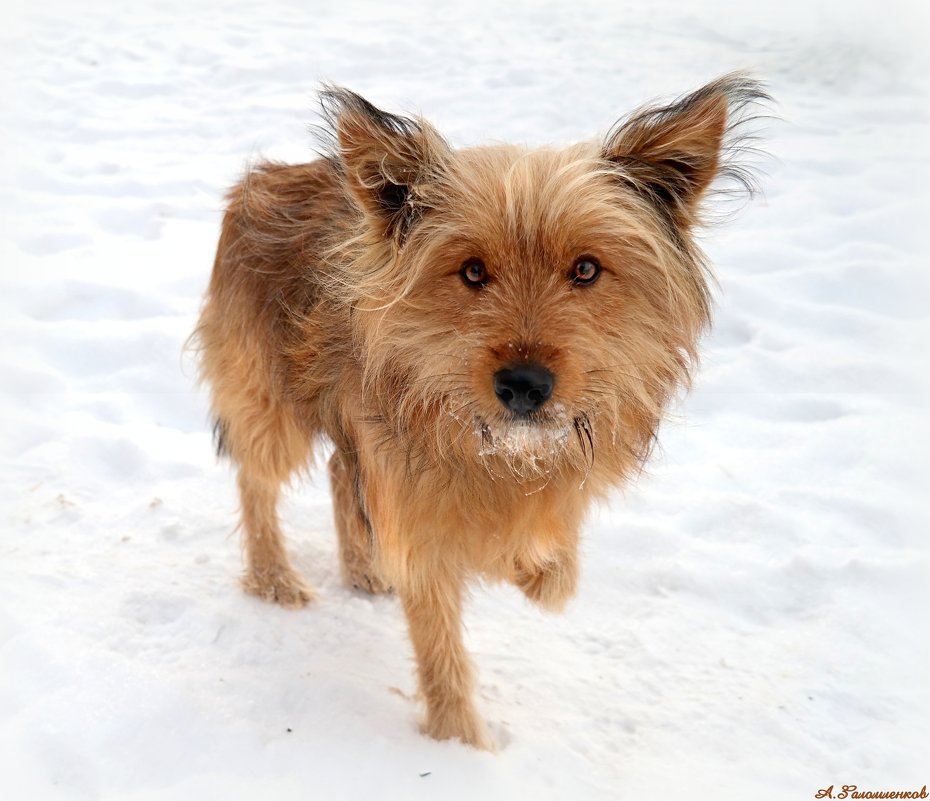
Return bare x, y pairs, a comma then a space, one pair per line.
524, 388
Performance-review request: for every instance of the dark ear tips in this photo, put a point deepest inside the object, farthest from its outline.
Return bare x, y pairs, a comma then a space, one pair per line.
673, 153
386, 158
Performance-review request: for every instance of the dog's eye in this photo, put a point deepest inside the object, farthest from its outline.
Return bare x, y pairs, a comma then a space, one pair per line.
585, 271
474, 273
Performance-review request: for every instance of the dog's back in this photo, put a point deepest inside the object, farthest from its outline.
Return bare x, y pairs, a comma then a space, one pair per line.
266, 287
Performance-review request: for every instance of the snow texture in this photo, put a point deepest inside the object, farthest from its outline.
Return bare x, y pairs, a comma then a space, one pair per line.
752, 619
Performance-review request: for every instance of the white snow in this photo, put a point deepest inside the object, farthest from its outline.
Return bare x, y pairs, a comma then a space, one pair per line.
752, 619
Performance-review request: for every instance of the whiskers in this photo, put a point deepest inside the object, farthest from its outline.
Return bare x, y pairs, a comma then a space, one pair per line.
585, 436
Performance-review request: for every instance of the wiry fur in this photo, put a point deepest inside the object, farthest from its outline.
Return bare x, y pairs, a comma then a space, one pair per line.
336, 310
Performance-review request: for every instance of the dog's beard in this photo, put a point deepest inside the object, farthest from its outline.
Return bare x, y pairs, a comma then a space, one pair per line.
534, 440
550, 441
527, 448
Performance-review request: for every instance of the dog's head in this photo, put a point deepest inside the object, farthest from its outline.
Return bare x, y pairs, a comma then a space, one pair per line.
534, 309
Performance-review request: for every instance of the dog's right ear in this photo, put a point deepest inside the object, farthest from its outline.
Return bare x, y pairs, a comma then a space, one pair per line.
389, 161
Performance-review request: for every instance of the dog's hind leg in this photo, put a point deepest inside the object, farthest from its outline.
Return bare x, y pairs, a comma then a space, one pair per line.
269, 574
266, 443
356, 539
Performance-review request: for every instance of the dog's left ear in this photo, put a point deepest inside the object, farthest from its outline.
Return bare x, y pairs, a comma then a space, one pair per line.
673, 153
389, 161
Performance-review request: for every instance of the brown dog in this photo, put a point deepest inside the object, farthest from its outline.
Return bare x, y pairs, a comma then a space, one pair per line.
488, 337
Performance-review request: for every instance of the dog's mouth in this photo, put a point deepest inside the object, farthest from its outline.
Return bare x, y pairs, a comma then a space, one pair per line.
523, 437
535, 444
537, 438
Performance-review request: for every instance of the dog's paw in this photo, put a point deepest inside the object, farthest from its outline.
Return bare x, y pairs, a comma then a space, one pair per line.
282, 587
459, 724
550, 585
373, 585
366, 581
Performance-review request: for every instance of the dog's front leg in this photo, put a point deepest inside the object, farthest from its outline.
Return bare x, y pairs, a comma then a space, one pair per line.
429, 578
546, 569
433, 605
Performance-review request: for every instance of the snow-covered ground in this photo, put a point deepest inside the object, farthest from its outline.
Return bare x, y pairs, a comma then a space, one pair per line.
753, 614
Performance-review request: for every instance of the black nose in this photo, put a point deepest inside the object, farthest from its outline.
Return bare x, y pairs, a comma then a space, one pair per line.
523, 389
